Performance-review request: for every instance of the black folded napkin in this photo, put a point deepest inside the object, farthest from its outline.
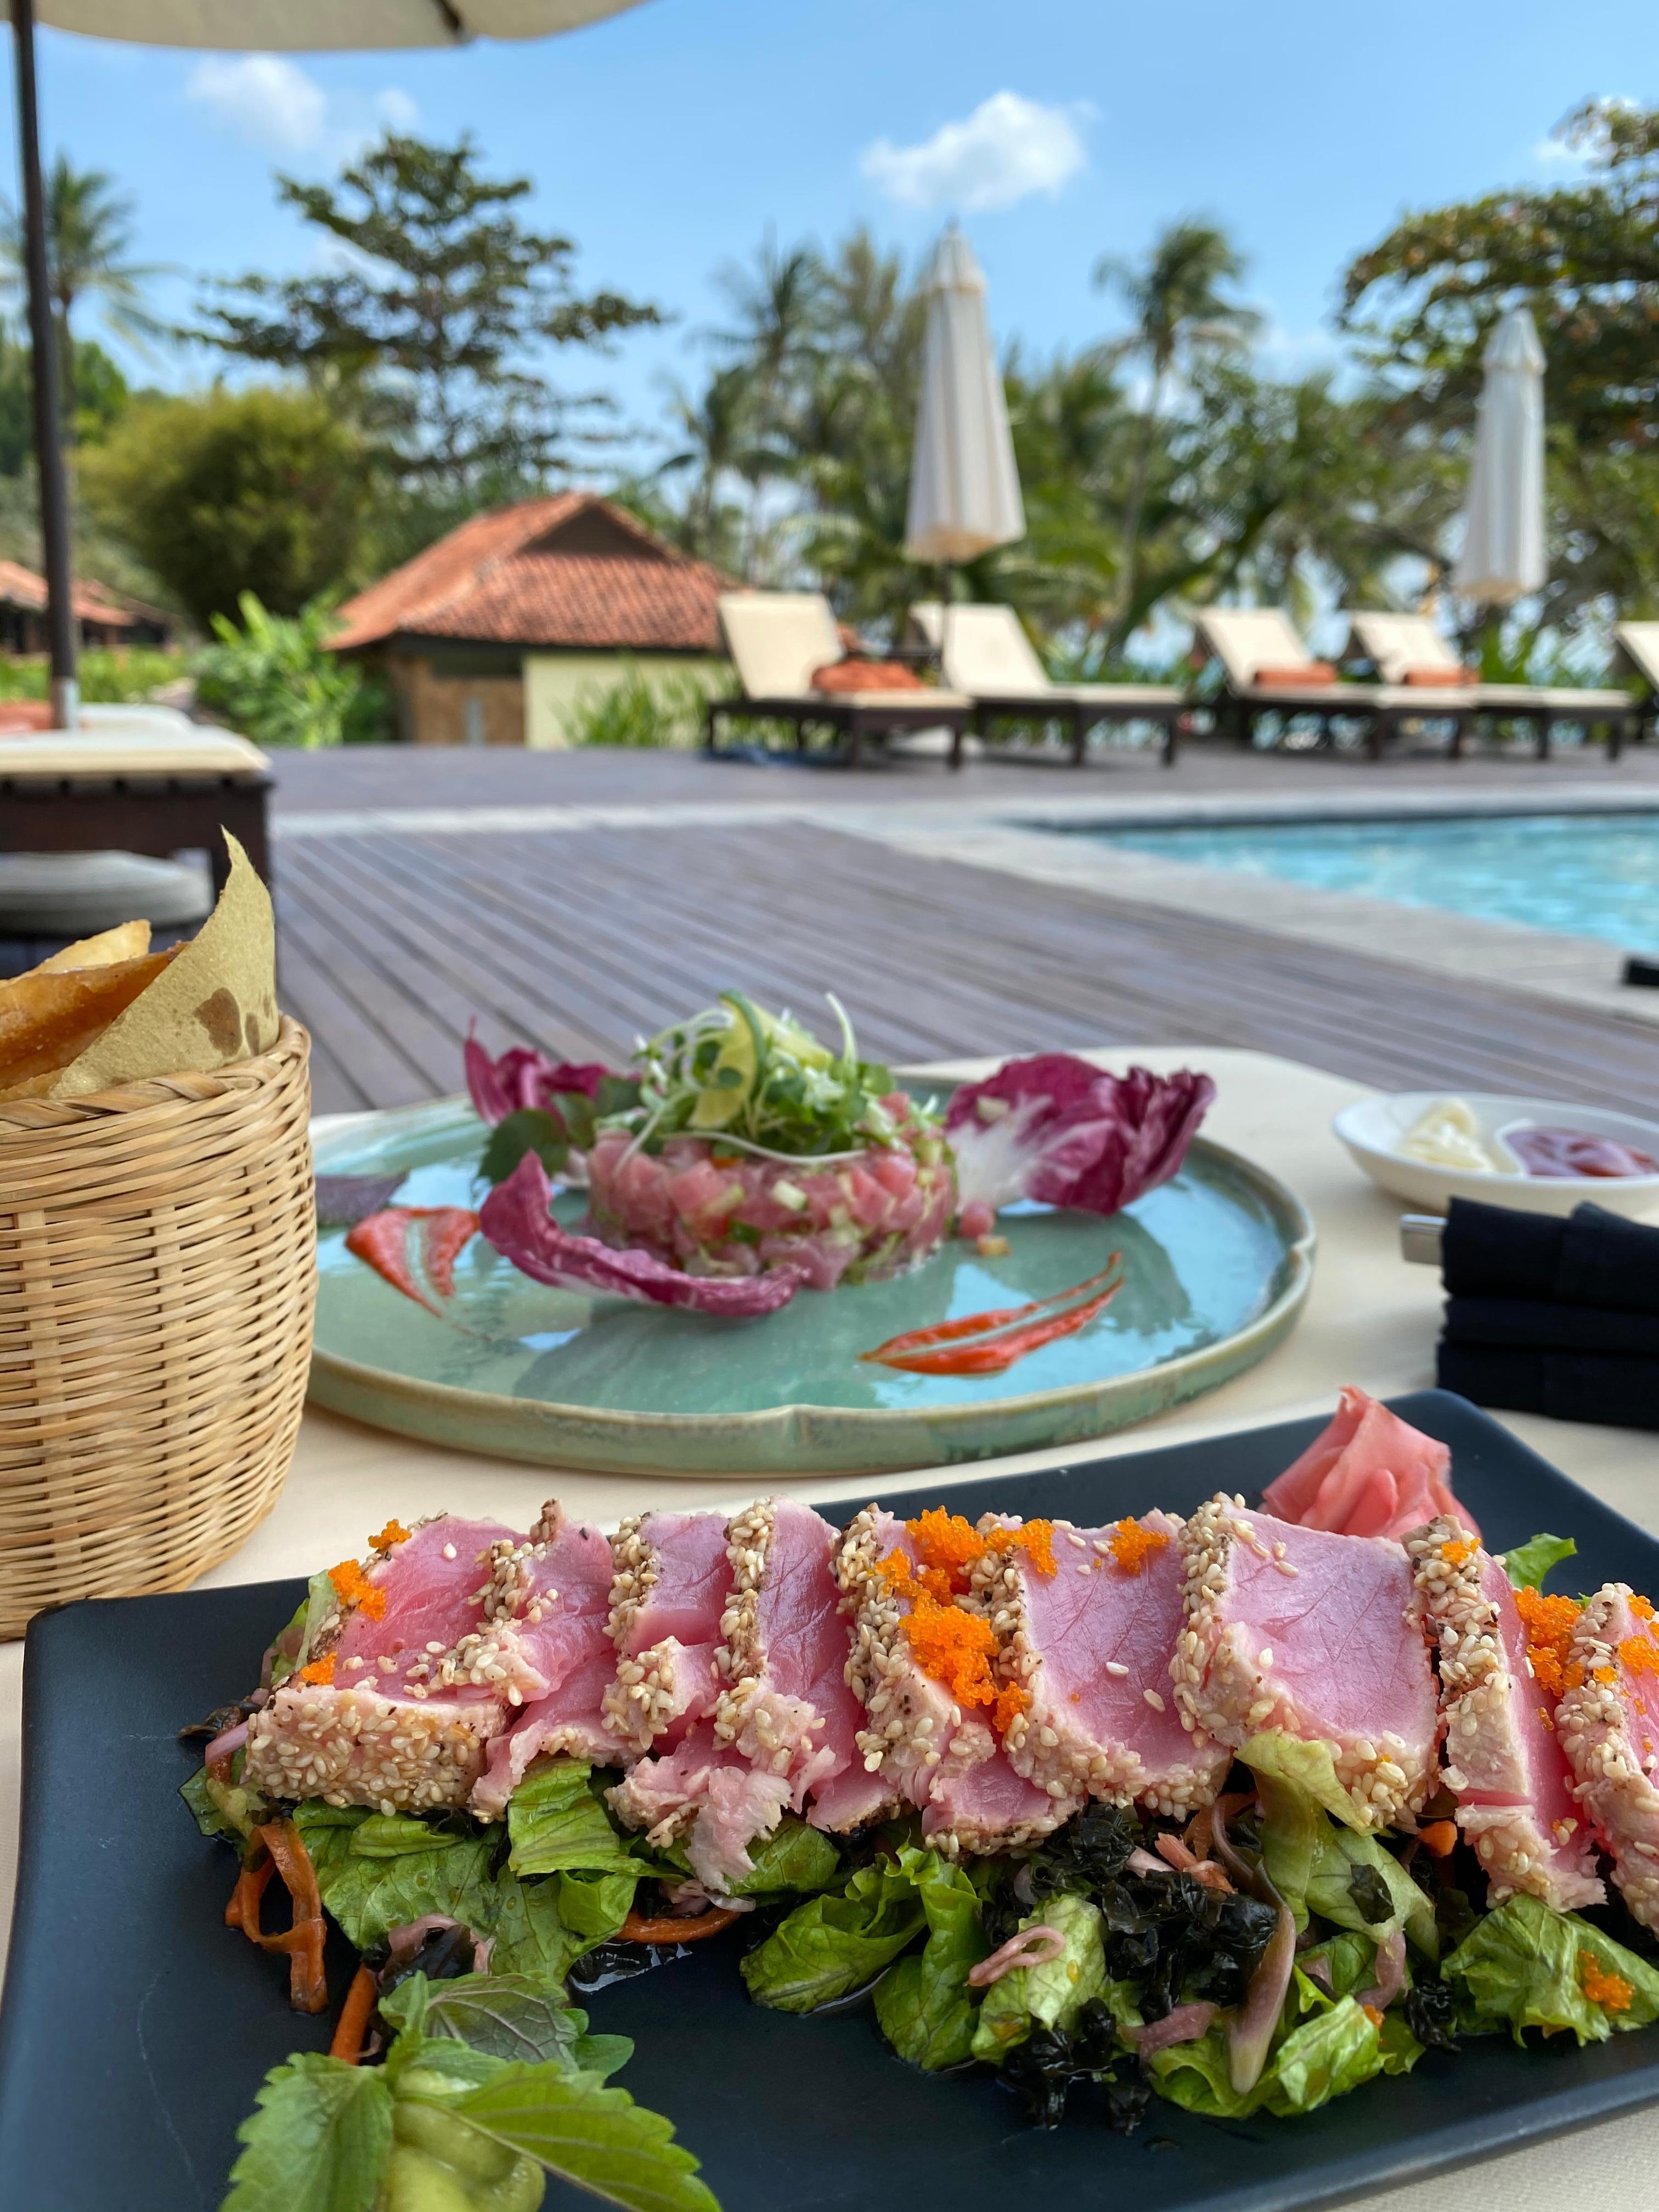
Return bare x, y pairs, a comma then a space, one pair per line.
1553, 1316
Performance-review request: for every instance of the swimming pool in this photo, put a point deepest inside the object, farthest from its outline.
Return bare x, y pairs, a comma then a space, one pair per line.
1587, 875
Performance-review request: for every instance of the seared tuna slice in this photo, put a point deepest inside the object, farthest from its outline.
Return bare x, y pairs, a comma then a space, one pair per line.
1608, 1724
916, 1742
1314, 1634
1091, 1645
668, 1598
784, 1728
1505, 1759
555, 1640
1369, 1474
788, 1704
365, 1722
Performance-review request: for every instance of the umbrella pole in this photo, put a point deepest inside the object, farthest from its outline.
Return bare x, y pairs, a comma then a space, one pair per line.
43, 346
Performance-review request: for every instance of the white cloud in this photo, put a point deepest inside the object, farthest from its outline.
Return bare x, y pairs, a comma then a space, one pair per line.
1008, 149
273, 104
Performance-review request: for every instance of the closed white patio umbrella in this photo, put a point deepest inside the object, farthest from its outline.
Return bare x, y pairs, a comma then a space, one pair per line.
294, 26
1503, 558
964, 487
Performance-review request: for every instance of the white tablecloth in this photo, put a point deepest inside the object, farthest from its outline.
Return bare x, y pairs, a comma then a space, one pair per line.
1373, 1320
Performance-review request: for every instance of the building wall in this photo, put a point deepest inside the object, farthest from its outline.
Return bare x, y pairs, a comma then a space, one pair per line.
555, 684
455, 704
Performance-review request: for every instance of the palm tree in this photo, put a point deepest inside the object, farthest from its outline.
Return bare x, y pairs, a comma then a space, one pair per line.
714, 429
777, 303
1179, 311
88, 239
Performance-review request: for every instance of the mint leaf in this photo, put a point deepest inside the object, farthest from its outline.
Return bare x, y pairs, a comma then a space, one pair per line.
513, 2017
317, 2140
558, 1824
532, 1129
595, 2138
1528, 1564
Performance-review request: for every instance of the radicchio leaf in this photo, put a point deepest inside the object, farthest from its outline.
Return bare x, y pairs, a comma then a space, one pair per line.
522, 1077
515, 1219
1055, 1129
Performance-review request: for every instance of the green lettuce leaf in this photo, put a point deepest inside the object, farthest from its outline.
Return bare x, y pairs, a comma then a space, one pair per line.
1528, 1564
796, 1858
831, 1946
1358, 1883
507, 2017
924, 2006
314, 1612
557, 1824
1050, 1996
1523, 1966
317, 2139
1298, 1785
1350, 1961
595, 2138
593, 1906
224, 1808
1331, 2052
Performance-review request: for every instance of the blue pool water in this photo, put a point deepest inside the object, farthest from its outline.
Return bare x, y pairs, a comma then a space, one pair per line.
1587, 875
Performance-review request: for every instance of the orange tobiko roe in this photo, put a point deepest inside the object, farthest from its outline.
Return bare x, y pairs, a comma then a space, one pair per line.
1549, 1623
353, 1586
319, 1671
953, 1648
945, 1543
1611, 1991
393, 1532
1034, 1538
1132, 1545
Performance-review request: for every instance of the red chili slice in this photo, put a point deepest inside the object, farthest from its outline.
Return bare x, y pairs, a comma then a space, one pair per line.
383, 1240
912, 1349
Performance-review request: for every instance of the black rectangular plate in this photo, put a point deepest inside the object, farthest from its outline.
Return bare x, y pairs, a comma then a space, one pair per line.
136, 2028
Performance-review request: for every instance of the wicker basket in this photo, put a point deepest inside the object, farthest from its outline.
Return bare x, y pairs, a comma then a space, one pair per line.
157, 1278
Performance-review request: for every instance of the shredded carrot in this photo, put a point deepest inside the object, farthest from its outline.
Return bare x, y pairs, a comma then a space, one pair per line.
280, 1849
1439, 1838
352, 2029
1457, 1551
320, 1670
393, 1532
1132, 1545
689, 1929
1611, 1991
353, 1588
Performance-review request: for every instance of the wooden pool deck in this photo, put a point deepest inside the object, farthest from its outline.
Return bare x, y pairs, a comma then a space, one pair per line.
577, 901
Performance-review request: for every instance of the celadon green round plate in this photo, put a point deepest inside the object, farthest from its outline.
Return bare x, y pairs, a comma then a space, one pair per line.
1217, 1264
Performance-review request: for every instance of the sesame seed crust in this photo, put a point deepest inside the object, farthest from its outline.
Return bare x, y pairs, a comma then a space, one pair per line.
1594, 1725
908, 1715
1477, 1690
357, 1746
743, 1662
647, 1693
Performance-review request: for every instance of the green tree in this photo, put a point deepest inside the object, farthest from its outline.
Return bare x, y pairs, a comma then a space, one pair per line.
773, 342
711, 432
1181, 314
262, 489
434, 328
89, 257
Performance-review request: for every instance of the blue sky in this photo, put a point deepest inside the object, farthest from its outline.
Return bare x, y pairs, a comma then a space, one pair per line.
666, 140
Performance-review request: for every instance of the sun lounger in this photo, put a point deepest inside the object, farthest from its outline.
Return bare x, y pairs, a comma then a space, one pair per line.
986, 652
779, 640
1261, 654
142, 780
1401, 646
1636, 648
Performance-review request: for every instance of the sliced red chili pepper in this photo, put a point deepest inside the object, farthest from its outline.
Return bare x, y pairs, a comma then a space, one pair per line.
383, 1241
995, 1354
911, 1348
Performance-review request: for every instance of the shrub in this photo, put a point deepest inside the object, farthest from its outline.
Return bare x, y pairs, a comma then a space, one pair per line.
110, 675
637, 712
262, 490
275, 680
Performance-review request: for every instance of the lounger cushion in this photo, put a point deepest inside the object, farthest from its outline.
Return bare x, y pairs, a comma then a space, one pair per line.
1441, 679
1299, 676
866, 676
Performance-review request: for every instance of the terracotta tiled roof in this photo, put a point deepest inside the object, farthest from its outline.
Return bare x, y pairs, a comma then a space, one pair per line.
572, 570
22, 587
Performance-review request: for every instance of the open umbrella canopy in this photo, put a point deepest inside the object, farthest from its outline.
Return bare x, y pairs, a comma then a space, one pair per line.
1503, 558
301, 26
964, 489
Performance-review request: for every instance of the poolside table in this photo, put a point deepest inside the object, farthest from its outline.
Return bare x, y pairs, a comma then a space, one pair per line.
1373, 1320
